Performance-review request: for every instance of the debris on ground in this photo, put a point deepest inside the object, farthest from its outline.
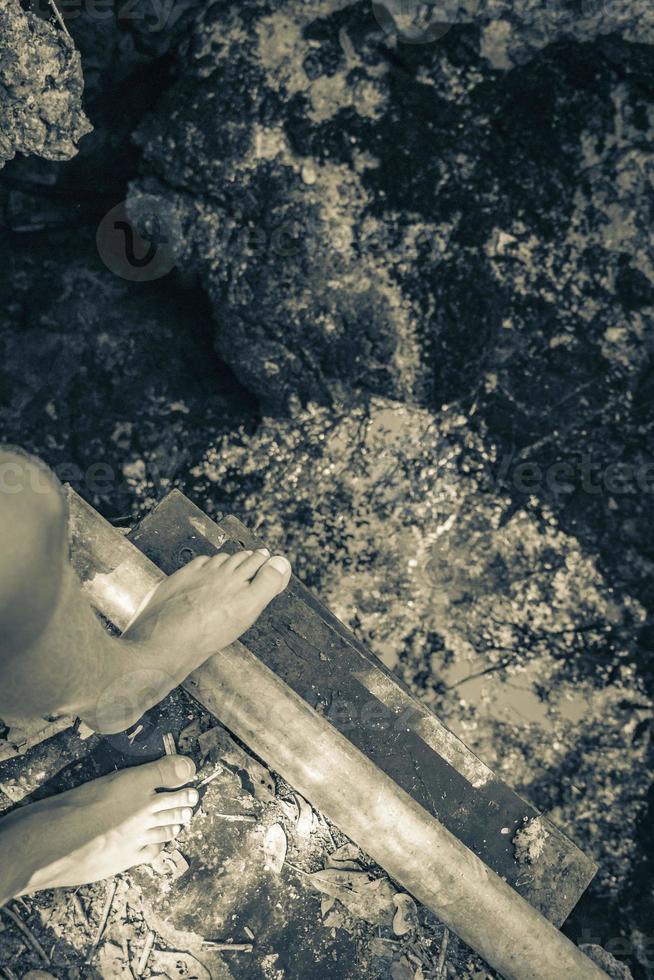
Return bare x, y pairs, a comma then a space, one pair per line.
304, 823
170, 863
363, 896
275, 846
216, 745
406, 917
529, 841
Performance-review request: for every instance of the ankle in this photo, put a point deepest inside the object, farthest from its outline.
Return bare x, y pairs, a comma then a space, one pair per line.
134, 677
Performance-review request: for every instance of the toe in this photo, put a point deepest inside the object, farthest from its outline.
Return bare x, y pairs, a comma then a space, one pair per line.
149, 853
197, 562
190, 568
174, 801
236, 560
181, 815
250, 566
271, 579
160, 835
169, 772
217, 560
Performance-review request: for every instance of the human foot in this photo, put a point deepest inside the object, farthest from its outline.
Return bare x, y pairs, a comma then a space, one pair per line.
196, 612
96, 830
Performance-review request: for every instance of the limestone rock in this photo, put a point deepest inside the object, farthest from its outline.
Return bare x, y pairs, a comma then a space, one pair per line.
41, 87
407, 222
513, 31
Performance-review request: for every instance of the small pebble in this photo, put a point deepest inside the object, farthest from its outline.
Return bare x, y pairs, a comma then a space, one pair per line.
308, 174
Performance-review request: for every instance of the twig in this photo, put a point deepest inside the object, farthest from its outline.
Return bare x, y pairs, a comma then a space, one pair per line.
440, 966
500, 665
132, 735
213, 775
325, 827
124, 945
60, 19
145, 955
237, 817
103, 920
79, 908
229, 947
294, 867
169, 744
27, 933
7, 973
349, 889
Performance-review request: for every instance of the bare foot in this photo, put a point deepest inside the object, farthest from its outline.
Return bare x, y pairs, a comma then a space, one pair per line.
193, 614
96, 830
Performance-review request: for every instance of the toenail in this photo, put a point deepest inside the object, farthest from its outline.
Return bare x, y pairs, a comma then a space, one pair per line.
184, 768
262, 551
193, 797
187, 814
280, 564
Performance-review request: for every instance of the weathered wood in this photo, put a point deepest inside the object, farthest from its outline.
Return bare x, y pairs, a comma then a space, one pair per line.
24, 774
340, 780
323, 662
25, 737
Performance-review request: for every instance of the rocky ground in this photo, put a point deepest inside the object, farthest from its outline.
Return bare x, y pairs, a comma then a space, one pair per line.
402, 326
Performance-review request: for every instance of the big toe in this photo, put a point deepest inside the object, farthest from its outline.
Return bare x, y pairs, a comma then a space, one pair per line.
271, 579
169, 772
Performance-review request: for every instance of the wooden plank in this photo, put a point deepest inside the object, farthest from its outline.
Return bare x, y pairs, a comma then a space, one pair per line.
324, 663
279, 726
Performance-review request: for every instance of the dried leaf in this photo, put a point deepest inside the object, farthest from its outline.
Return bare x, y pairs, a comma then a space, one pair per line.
366, 898
406, 916
335, 920
217, 746
188, 942
177, 966
274, 848
111, 963
345, 858
382, 948
336, 883
304, 824
401, 970
326, 903
289, 809
170, 863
